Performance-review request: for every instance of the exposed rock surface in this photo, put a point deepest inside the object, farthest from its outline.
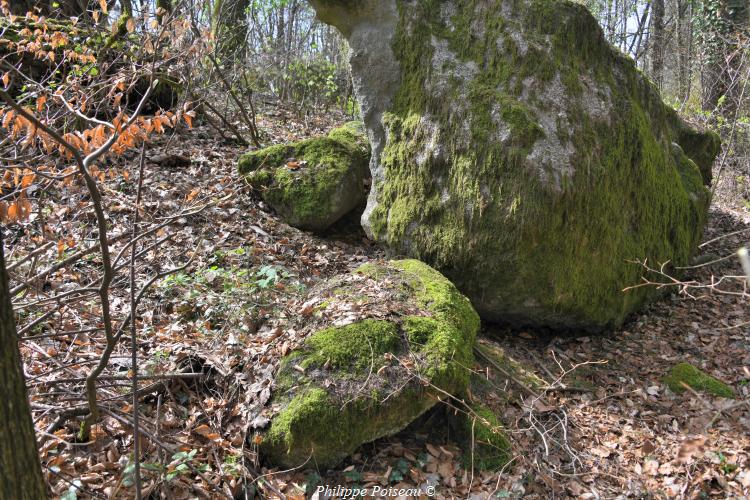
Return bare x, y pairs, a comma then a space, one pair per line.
517, 152
312, 183
408, 346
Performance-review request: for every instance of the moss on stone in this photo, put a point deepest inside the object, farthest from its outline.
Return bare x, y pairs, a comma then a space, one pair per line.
529, 250
270, 157
485, 443
259, 179
316, 193
447, 351
356, 347
319, 430
342, 400
353, 133
439, 296
685, 373
700, 146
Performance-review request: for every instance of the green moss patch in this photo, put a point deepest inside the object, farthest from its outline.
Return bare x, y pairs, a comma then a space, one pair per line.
318, 429
354, 134
485, 443
358, 346
685, 373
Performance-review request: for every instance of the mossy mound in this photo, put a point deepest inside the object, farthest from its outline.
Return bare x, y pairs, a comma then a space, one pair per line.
485, 443
518, 153
354, 133
312, 183
348, 385
685, 373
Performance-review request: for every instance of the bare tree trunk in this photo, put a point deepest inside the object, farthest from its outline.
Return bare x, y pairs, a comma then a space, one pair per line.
229, 27
685, 48
21, 7
280, 38
121, 24
657, 42
20, 472
636, 45
725, 24
67, 8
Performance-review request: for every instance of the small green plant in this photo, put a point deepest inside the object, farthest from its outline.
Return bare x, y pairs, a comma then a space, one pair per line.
316, 77
233, 465
312, 480
353, 476
724, 466
266, 277
72, 492
179, 465
128, 472
226, 292
399, 472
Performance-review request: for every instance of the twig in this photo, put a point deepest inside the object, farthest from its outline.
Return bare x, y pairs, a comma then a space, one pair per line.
134, 330
30, 255
528, 390
165, 376
745, 260
64, 263
165, 447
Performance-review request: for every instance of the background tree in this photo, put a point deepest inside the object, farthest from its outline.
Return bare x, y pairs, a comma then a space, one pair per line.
20, 472
229, 28
723, 28
657, 42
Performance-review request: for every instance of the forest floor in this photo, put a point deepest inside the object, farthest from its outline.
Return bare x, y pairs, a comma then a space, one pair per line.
611, 428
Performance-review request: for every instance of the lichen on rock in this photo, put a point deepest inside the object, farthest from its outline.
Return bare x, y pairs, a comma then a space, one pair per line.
521, 155
312, 183
349, 384
685, 373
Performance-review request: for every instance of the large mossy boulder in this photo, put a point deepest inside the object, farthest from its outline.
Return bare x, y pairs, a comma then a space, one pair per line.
311, 184
408, 346
521, 155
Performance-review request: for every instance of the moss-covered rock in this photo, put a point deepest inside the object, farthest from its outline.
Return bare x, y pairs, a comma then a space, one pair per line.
312, 183
521, 155
484, 441
410, 346
353, 133
685, 373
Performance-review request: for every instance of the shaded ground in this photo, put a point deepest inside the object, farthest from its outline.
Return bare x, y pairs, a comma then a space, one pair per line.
609, 427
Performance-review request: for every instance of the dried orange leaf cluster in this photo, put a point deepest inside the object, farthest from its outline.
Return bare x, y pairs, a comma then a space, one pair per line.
126, 133
16, 180
41, 40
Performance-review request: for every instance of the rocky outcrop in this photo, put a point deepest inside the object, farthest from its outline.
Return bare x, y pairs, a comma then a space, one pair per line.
311, 184
518, 153
408, 346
